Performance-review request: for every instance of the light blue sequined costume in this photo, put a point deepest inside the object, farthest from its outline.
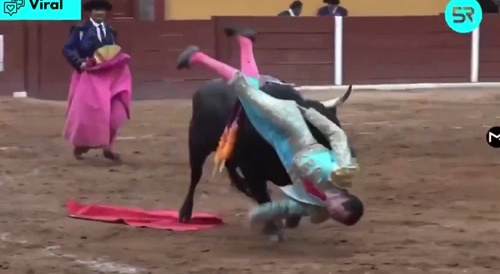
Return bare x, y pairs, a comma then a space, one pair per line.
281, 123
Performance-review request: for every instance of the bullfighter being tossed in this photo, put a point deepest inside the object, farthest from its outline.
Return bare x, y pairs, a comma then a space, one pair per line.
317, 173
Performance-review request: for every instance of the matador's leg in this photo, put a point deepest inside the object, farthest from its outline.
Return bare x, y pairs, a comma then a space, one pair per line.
192, 55
277, 211
284, 114
288, 118
245, 38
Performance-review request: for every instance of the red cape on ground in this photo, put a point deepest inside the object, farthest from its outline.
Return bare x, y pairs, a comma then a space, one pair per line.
137, 217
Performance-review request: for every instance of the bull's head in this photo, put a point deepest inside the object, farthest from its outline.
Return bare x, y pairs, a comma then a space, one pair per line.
337, 102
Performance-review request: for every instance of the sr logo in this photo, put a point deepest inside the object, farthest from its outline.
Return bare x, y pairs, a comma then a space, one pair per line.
460, 14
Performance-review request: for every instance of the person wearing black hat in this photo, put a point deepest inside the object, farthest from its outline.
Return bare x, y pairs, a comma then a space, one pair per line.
332, 8
294, 10
83, 42
86, 38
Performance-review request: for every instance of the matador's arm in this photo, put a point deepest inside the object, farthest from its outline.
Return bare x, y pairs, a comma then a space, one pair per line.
336, 136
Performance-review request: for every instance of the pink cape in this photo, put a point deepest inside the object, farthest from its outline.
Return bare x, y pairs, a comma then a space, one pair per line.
99, 103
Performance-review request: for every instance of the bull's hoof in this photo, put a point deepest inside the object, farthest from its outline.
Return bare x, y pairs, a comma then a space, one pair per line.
184, 216
185, 57
186, 211
79, 151
184, 219
245, 32
113, 156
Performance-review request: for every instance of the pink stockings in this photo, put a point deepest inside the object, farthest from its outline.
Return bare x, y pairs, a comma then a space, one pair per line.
248, 65
247, 60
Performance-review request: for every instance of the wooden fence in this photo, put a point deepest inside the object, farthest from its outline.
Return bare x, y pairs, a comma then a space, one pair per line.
299, 50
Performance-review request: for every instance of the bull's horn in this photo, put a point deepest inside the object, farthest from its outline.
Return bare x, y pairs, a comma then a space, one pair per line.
339, 100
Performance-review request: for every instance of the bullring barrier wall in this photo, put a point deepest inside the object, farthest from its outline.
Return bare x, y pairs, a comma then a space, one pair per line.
183, 9
373, 50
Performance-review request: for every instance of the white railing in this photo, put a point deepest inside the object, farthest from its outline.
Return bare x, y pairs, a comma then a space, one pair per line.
474, 57
338, 69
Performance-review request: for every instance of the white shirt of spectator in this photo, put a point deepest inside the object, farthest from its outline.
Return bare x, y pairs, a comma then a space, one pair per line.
334, 11
96, 25
290, 11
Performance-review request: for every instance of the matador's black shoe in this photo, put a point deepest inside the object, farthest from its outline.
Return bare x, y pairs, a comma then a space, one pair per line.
79, 151
113, 156
245, 32
185, 57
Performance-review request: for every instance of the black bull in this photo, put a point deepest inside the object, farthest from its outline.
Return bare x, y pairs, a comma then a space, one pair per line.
258, 162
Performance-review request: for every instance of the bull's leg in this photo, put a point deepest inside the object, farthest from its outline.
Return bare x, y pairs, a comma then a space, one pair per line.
236, 180
198, 153
256, 185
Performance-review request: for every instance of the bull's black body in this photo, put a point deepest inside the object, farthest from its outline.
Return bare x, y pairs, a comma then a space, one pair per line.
212, 105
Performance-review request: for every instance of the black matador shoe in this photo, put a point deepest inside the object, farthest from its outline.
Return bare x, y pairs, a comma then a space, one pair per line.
113, 156
79, 151
245, 32
185, 57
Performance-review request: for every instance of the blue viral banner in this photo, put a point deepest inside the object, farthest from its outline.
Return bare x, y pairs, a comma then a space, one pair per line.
57, 10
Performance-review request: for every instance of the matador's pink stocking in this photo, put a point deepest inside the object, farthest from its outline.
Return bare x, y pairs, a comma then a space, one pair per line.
225, 71
245, 38
248, 65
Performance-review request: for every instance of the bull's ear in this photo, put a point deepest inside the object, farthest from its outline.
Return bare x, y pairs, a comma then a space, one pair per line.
339, 100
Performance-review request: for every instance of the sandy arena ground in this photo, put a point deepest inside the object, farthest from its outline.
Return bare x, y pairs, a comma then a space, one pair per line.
429, 182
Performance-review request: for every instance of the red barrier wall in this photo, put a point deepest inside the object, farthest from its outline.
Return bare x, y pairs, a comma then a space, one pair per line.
299, 50
404, 50
489, 49
15, 63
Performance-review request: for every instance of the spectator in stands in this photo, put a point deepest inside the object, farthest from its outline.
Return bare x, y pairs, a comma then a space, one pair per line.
294, 10
489, 6
332, 8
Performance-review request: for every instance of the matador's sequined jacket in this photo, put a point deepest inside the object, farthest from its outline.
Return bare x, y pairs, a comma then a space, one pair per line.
83, 42
281, 123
